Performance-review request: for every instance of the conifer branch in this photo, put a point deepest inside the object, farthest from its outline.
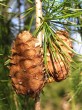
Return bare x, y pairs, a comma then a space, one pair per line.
38, 4
19, 11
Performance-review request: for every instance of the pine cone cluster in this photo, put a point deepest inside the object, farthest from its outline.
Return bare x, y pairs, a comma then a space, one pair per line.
27, 66
26, 70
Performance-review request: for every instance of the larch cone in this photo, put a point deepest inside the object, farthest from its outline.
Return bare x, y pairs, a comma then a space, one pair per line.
57, 68
26, 65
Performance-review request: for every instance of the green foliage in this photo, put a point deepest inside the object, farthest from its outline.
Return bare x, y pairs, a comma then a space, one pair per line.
54, 95
76, 78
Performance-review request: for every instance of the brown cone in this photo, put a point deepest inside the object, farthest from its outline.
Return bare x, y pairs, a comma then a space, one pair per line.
26, 70
58, 70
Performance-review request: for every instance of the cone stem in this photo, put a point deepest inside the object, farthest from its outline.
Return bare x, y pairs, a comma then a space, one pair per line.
37, 103
38, 19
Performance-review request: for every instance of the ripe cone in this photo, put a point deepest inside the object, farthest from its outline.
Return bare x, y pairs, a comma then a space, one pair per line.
59, 67
26, 70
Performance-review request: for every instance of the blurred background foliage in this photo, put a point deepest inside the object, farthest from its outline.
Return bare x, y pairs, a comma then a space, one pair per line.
18, 15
